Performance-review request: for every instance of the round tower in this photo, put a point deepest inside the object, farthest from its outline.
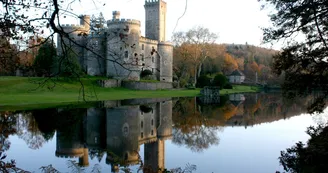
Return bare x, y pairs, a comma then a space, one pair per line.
165, 51
116, 15
69, 146
85, 21
123, 49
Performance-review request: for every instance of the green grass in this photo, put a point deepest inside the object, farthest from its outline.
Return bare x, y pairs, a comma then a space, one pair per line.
22, 92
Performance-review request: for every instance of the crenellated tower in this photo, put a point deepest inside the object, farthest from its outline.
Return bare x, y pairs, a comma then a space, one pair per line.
155, 11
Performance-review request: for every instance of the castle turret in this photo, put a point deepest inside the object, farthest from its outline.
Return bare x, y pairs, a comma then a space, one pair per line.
155, 19
165, 51
85, 21
116, 15
123, 49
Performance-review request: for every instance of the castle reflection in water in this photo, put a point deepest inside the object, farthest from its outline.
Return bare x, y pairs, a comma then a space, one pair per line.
118, 129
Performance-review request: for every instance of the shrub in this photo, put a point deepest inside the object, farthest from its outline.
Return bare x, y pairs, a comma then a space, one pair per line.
183, 83
145, 108
203, 81
145, 73
228, 86
69, 66
220, 80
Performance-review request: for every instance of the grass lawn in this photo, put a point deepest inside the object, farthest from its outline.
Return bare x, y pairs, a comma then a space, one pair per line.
35, 92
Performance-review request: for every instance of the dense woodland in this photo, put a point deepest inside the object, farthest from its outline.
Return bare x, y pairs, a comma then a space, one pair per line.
255, 62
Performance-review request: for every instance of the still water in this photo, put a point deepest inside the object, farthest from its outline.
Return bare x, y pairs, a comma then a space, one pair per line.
239, 133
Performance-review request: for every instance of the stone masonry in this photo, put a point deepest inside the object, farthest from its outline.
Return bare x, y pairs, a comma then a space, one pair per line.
118, 50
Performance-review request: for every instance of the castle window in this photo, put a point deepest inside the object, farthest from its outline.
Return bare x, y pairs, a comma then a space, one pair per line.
126, 54
152, 70
152, 122
141, 125
142, 57
152, 59
142, 47
125, 130
152, 132
141, 134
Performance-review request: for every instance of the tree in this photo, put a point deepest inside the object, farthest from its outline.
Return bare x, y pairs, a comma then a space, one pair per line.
230, 64
303, 60
199, 39
8, 57
182, 63
45, 62
220, 80
307, 158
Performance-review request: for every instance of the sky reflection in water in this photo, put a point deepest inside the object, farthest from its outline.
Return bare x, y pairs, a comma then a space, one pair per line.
244, 133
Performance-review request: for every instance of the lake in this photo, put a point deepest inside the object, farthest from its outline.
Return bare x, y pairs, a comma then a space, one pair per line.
237, 133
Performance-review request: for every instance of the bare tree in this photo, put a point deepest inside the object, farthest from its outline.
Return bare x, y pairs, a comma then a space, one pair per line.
200, 39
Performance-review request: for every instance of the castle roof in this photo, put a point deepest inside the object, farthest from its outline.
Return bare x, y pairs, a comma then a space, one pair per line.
237, 73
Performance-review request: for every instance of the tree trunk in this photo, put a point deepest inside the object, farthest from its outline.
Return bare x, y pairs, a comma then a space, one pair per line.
199, 69
195, 76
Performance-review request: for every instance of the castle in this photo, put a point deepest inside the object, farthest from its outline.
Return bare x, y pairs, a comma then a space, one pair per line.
117, 129
118, 50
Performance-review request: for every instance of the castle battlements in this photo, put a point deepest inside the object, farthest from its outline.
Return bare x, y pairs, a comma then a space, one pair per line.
151, 2
147, 141
147, 40
165, 43
121, 40
123, 21
74, 27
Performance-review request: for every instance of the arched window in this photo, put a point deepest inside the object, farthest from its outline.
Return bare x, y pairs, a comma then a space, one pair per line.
126, 54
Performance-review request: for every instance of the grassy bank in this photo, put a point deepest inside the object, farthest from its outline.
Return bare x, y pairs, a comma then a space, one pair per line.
34, 92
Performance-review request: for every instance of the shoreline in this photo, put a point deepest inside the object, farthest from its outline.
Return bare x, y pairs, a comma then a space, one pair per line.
17, 93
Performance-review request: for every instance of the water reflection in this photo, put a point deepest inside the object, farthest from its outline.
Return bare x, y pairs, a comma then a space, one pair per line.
114, 131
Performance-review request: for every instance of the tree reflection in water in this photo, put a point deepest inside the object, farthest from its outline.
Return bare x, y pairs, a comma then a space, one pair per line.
308, 158
116, 133
192, 127
7, 127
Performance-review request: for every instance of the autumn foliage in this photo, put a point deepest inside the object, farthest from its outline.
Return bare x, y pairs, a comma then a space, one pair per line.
254, 62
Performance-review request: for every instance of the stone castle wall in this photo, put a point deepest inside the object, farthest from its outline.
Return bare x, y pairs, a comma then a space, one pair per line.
110, 83
136, 85
119, 50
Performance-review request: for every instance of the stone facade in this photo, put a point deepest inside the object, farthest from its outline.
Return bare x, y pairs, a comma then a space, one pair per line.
118, 50
119, 131
236, 77
135, 85
110, 83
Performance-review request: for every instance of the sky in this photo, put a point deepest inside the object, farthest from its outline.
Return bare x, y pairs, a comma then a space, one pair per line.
235, 21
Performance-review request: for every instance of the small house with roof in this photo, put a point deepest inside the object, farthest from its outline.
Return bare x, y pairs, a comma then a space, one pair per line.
236, 77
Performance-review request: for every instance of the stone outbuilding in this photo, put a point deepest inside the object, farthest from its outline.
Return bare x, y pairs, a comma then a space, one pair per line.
236, 77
